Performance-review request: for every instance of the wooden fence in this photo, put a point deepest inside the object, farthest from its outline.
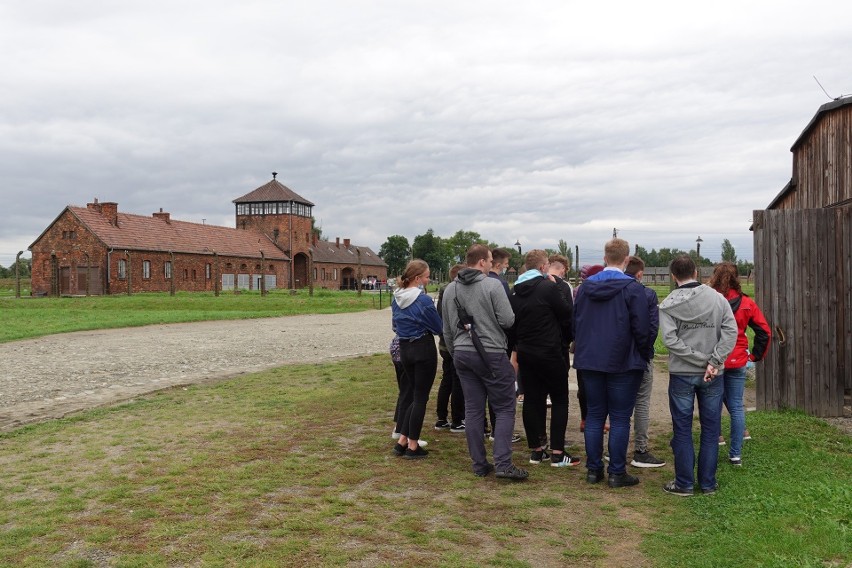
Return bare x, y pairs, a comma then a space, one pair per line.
803, 283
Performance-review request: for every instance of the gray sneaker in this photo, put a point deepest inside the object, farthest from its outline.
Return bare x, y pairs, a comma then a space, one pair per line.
513, 472
646, 459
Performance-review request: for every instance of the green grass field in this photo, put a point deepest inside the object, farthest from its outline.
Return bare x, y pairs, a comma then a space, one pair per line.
292, 467
33, 317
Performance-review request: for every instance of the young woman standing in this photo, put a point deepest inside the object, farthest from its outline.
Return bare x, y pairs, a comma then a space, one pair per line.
416, 322
726, 281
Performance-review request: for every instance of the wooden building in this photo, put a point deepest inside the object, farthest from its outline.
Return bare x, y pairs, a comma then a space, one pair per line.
98, 250
803, 271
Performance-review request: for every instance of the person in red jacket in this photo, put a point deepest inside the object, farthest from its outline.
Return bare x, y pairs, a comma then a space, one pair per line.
726, 281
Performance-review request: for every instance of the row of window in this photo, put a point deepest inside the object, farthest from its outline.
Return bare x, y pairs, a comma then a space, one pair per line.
325, 273
274, 208
167, 269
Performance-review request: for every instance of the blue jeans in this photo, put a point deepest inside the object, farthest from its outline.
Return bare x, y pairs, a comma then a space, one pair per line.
683, 390
612, 394
734, 388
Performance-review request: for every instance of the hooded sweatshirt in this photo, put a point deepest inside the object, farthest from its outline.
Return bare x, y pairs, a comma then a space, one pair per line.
612, 324
698, 328
486, 302
413, 313
543, 318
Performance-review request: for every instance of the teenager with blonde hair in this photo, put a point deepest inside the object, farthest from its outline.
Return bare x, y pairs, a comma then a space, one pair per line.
416, 321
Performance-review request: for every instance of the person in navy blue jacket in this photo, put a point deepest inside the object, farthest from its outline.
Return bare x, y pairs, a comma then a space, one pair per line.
612, 348
416, 321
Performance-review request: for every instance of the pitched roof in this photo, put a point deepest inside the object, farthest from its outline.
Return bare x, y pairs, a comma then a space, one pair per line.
822, 111
326, 251
135, 232
272, 191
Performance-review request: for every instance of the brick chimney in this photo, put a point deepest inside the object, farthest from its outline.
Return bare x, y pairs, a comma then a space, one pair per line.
163, 215
346, 243
108, 209
314, 238
337, 242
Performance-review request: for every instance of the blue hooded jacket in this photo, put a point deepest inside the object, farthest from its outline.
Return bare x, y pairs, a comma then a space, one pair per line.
612, 324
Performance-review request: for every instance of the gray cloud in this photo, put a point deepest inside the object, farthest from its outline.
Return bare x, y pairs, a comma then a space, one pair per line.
535, 122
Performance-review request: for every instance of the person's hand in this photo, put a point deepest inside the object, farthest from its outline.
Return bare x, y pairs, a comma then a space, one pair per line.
710, 373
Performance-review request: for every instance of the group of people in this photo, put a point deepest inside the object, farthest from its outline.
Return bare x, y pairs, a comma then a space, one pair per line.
496, 343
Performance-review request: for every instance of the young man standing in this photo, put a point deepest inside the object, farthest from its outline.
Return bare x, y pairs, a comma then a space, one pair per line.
699, 331
479, 354
543, 330
612, 346
642, 413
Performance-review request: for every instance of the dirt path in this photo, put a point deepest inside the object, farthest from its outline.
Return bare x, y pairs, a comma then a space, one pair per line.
54, 376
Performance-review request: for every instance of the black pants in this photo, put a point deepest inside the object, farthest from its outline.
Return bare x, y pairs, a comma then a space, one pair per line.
420, 360
450, 392
543, 376
400, 385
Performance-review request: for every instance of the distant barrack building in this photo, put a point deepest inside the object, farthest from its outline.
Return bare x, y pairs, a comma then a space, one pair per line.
98, 250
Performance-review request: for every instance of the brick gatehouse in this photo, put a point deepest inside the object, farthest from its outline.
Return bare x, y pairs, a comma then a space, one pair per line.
98, 250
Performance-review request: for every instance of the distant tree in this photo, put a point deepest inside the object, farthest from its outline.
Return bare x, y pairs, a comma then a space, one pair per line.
728, 252
744, 267
642, 253
316, 230
463, 240
665, 256
396, 252
434, 250
7, 272
516, 260
566, 251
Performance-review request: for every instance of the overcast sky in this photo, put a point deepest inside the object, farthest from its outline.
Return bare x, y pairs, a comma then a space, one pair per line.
523, 121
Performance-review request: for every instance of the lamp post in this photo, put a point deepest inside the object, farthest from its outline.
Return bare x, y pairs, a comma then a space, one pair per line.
698, 242
518, 244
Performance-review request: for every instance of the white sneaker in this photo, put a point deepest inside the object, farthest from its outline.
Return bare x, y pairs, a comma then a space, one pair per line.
422, 443
395, 435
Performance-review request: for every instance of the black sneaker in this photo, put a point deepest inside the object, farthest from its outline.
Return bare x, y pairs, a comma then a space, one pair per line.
736, 461
513, 472
594, 476
457, 428
622, 480
417, 454
442, 425
398, 450
671, 487
646, 459
563, 460
711, 490
537, 456
488, 469
516, 437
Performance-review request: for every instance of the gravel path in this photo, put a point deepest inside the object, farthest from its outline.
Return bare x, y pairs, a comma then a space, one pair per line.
54, 376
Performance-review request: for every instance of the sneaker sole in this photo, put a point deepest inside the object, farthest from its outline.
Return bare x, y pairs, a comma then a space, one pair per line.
457, 430
564, 464
511, 477
635, 463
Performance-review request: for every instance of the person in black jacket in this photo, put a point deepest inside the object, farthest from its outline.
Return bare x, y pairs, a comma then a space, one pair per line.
542, 331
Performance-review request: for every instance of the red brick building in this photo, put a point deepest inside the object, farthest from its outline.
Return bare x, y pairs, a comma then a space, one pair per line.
98, 250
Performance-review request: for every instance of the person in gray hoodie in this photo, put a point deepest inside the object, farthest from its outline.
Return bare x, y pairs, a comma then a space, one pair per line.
699, 330
476, 314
